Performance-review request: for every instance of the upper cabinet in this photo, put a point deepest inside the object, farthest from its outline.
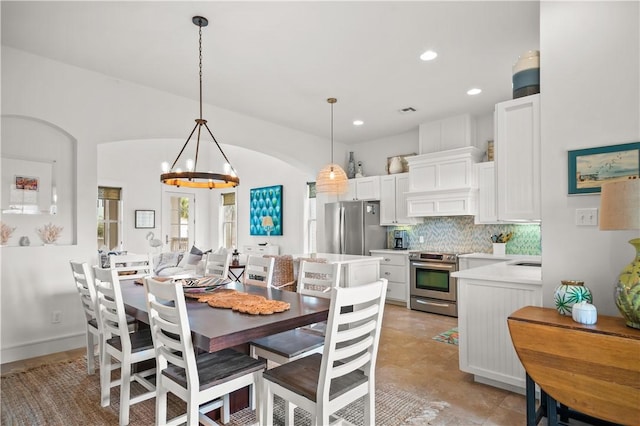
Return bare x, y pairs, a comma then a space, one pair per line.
448, 133
393, 200
366, 188
487, 206
517, 159
443, 183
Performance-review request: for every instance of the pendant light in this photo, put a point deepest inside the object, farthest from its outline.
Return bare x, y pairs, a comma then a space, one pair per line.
332, 179
193, 178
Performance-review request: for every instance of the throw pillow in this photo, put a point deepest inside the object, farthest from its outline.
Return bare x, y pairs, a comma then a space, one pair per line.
166, 260
192, 258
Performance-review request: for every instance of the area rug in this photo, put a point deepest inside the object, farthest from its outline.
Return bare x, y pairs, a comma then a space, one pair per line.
63, 394
449, 336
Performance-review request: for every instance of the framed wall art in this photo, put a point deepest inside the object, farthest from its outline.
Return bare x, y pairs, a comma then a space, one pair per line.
264, 202
145, 219
589, 168
28, 186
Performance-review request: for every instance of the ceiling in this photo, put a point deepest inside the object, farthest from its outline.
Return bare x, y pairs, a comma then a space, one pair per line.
280, 61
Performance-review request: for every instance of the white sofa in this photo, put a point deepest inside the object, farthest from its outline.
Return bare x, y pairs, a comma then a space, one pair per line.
181, 263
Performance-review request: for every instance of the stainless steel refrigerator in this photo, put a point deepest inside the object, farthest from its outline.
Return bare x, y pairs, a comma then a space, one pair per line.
353, 227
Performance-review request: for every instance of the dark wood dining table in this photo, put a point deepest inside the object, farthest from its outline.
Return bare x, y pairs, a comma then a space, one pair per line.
214, 329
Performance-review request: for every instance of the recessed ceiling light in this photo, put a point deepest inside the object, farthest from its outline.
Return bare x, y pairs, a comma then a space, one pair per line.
429, 55
358, 122
474, 91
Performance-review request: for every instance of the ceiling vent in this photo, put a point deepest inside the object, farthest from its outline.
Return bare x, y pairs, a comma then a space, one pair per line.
407, 110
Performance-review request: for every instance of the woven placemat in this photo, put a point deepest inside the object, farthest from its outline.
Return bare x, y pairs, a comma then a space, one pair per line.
246, 303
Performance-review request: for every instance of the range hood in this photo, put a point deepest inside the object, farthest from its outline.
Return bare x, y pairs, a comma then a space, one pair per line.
443, 183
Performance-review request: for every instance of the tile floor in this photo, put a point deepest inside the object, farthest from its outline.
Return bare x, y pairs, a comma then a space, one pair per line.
410, 358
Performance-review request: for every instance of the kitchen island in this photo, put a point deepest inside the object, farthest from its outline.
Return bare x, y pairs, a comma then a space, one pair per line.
505, 270
354, 270
487, 295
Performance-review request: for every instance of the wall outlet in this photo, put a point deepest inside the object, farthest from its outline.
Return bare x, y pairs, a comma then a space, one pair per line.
587, 217
56, 317
421, 239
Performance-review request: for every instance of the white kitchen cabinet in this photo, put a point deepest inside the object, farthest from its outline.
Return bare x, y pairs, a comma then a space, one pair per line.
448, 133
487, 205
395, 268
485, 347
443, 170
443, 183
363, 272
260, 250
393, 200
517, 159
366, 188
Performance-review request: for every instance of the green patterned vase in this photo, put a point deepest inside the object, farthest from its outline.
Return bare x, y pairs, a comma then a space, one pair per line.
569, 293
627, 293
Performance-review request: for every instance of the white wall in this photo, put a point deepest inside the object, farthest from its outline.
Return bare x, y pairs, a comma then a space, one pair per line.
374, 154
93, 108
590, 53
136, 165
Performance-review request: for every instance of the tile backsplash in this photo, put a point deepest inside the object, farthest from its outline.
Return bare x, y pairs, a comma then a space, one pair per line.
458, 234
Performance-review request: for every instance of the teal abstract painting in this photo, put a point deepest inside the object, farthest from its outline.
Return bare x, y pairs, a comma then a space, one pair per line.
265, 202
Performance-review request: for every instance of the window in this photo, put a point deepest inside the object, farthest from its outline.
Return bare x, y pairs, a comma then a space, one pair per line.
179, 217
229, 220
311, 217
109, 217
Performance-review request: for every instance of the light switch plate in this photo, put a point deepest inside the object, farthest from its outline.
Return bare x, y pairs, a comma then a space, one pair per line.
587, 217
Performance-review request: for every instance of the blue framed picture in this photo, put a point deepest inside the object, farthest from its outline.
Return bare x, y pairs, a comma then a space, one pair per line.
264, 203
591, 167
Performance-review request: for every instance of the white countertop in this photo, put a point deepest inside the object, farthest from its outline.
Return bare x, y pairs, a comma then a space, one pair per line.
505, 272
341, 259
503, 257
391, 251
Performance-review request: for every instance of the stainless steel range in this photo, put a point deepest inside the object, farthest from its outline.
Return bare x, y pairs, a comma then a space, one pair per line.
431, 286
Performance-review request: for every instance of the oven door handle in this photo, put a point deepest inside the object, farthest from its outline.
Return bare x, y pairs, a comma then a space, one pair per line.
424, 302
438, 266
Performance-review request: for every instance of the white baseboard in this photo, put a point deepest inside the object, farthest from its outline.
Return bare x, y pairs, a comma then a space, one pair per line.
497, 384
42, 347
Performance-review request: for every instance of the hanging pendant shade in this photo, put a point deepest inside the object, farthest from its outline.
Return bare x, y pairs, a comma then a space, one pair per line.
327, 184
332, 179
193, 178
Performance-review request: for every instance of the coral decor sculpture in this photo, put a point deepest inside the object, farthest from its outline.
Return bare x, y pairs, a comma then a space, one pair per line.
5, 233
49, 233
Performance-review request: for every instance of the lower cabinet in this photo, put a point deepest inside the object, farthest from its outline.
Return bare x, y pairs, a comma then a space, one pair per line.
395, 268
485, 347
359, 273
261, 250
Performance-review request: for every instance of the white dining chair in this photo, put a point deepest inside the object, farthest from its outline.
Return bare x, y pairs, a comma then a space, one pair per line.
258, 271
85, 285
203, 381
132, 266
217, 265
117, 342
322, 384
314, 279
